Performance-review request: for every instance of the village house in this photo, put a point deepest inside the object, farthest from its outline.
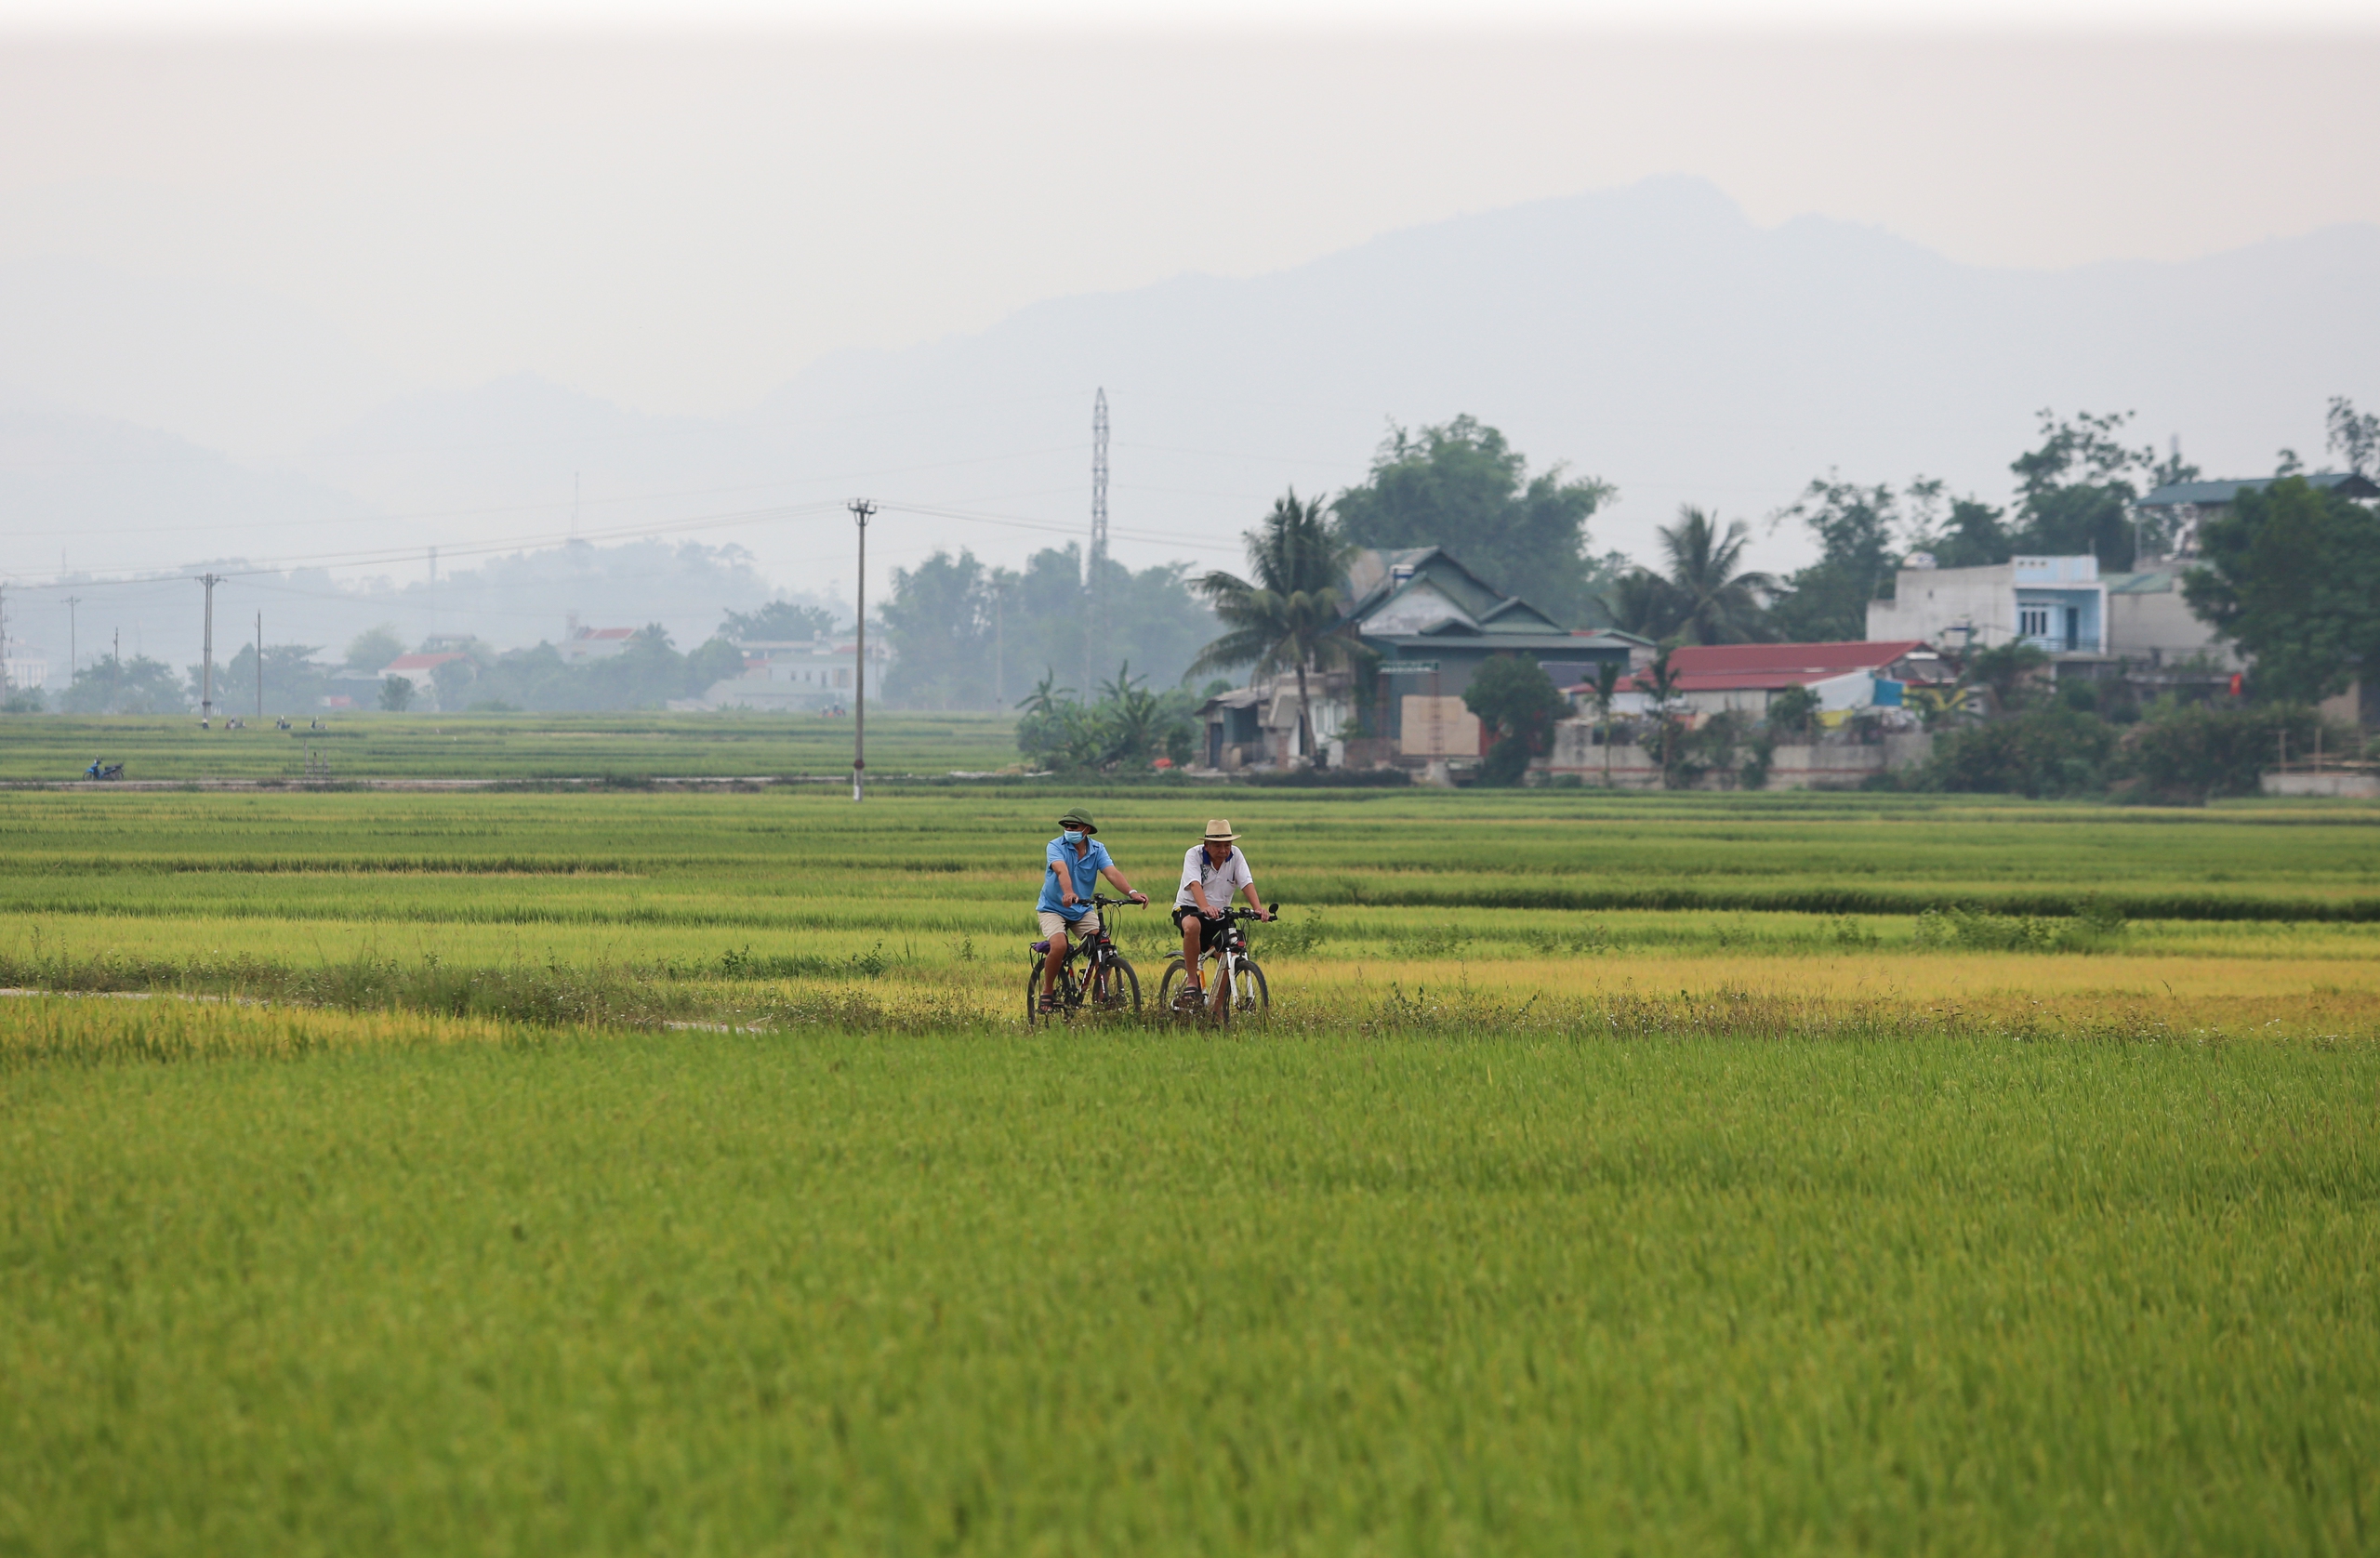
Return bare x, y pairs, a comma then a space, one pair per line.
1426, 625
796, 676
581, 644
2059, 605
1846, 678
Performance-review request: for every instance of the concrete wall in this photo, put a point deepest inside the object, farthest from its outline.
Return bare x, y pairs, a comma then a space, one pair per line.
1823, 765
2332, 783
1930, 602
2157, 627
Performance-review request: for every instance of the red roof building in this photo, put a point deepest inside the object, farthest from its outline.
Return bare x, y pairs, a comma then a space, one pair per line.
1741, 678
1774, 667
416, 667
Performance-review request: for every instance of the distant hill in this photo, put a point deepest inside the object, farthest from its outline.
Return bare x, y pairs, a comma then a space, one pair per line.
1651, 336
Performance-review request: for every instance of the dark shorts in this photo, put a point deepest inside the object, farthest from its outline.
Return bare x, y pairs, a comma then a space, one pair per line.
1214, 927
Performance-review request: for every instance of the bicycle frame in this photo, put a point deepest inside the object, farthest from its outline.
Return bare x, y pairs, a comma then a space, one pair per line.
1097, 953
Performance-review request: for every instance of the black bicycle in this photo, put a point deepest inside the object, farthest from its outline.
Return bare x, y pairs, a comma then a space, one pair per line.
1105, 984
1233, 985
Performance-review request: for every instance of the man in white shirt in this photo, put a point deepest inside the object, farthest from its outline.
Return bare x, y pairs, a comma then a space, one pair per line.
1210, 873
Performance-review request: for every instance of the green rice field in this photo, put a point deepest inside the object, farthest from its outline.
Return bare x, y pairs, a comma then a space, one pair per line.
354, 746
666, 1171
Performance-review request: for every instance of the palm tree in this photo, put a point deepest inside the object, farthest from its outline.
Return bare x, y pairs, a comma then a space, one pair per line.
1642, 602
1607, 692
1661, 679
1720, 605
1289, 616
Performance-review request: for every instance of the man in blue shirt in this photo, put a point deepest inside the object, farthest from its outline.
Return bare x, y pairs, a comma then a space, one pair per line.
1071, 869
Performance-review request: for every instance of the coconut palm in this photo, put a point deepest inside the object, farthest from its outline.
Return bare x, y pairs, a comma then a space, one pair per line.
1642, 602
1718, 604
1287, 617
1661, 679
1606, 693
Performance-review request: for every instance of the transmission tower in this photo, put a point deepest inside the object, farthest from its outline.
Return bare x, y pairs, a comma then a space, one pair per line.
1095, 567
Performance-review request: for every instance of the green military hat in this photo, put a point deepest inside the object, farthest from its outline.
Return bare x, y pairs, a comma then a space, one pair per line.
1077, 817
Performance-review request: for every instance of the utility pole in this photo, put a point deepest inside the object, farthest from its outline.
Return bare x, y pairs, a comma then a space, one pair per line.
4, 640
861, 509
72, 601
116, 670
206, 675
259, 664
433, 586
1094, 573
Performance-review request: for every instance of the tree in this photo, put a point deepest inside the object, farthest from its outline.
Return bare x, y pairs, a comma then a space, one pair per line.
1606, 693
374, 648
1514, 698
2008, 670
1289, 617
1719, 604
2293, 577
2075, 493
2045, 752
2355, 439
938, 620
396, 694
136, 686
962, 633
777, 622
1792, 708
1660, 679
1643, 603
1460, 486
1827, 601
293, 679
1971, 536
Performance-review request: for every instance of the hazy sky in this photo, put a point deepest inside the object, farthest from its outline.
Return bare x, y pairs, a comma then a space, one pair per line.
678, 219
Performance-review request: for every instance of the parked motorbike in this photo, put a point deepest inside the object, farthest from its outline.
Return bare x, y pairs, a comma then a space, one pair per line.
111, 770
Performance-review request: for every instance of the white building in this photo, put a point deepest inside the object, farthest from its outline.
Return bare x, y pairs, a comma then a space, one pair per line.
806, 674
2055, 603
27, 666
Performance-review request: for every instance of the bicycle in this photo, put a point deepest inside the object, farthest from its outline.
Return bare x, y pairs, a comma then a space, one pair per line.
1108, 985
1235, 985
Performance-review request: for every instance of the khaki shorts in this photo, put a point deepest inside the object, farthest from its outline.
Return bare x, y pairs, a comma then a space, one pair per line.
1053, 924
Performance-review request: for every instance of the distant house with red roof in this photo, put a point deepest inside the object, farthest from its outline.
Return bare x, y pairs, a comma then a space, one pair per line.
594, 643
1741, 678
417, 667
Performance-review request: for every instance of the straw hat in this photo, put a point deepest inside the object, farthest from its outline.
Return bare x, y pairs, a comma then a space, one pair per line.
1218, 831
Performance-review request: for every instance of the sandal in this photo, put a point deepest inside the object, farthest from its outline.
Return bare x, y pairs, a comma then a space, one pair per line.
1048, 1005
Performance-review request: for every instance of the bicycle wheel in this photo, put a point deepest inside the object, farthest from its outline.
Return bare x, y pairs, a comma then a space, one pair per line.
1033, 996
1115, 988
1170, 988
1248, 992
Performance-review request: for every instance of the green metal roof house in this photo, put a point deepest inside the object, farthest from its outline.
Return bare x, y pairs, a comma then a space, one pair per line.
1432, 623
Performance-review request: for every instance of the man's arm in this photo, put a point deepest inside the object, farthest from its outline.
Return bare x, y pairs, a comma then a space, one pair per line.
1066, 880
1112, 875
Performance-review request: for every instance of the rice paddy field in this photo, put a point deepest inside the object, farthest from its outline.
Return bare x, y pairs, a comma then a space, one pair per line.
533, 748
665, 1171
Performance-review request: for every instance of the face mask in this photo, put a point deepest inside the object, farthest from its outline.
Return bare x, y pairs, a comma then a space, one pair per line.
1073, 837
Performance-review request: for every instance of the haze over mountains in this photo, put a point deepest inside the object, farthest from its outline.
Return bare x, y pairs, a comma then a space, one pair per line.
1650, 335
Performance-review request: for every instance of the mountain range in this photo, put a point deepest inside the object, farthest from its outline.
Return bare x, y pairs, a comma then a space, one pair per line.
1652, 335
